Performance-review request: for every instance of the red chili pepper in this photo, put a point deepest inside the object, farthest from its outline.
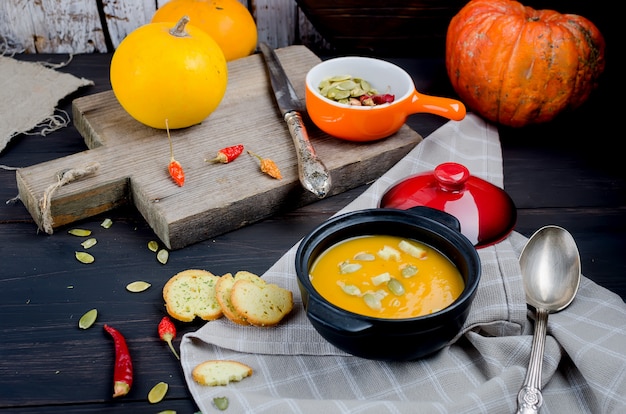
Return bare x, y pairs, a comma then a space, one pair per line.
174, 167
228, 154
167, 332
123, 372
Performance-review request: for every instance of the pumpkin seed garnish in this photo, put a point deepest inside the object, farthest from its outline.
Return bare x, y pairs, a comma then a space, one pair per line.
84, 257
153, 246
137, 286
162, 256
89, 243
88, 319
221, 403
107, 223
396, 287
157, 393
79, 232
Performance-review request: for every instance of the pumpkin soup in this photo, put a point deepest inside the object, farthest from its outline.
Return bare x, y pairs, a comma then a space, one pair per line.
386, 277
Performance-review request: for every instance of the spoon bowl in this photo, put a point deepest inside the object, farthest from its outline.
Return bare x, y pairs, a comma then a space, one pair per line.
550, 265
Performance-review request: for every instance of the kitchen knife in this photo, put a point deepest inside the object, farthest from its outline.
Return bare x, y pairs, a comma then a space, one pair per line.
312, 172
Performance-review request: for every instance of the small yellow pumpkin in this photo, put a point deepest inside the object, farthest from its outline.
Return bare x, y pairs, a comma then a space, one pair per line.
170, 71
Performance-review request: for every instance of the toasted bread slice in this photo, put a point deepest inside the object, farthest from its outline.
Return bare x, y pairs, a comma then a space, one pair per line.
261, 304
191, 293
224, 288
220, 372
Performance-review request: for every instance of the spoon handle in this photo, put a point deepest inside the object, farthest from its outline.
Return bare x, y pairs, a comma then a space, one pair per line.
529, 398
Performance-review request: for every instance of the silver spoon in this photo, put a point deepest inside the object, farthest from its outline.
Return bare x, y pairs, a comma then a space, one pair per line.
550, 264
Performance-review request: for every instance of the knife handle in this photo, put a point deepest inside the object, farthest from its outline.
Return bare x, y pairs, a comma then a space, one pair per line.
312, 172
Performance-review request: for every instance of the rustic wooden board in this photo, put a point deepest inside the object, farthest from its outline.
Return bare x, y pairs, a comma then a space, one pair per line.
216, 198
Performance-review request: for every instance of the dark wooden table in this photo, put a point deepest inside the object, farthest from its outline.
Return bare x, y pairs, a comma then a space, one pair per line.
568, 172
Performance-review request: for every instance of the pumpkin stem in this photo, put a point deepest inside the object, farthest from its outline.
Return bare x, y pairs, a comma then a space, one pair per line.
179, 29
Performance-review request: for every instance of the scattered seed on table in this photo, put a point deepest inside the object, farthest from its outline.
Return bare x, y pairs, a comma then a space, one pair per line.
157, 393
153, 246
137, 286
88, 319
79, 232
89, 243
107, 223
84, 257
162, 256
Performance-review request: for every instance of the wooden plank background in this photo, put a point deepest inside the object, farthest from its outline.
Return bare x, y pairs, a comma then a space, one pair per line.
88, 26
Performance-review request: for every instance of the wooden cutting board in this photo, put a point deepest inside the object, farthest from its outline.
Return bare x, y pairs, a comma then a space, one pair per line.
132, 159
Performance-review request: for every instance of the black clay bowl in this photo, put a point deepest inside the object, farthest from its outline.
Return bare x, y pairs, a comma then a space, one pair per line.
386, 338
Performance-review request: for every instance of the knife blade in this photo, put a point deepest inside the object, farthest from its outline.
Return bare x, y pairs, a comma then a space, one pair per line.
313, 174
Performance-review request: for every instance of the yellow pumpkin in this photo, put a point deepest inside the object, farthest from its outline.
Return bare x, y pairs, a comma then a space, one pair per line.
228, 22
170, 71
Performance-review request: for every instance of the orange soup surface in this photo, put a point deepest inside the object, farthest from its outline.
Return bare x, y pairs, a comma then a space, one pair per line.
386, 277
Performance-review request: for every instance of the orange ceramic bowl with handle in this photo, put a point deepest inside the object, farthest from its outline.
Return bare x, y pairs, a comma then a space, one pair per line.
370, 123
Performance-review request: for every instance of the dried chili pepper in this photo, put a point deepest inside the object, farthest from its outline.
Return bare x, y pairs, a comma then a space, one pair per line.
174, 167
123, 372
228, 154
383, 98
167, 332
268, 166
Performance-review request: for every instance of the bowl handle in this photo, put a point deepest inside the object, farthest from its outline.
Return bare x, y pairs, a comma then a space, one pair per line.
445, 107
442, 217
322, 313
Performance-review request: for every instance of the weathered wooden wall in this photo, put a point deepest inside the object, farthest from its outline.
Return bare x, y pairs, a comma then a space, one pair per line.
87, 26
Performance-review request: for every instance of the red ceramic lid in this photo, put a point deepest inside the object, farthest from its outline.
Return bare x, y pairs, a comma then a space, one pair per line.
486, 212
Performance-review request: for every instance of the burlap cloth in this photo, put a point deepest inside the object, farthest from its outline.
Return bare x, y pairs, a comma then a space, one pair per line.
481, 371
29, 93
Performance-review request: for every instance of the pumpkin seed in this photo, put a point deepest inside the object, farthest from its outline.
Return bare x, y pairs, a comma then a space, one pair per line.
168, 412
373, 301
157, 393
347, 267
396, 287
137, 286
153, 246
351, 290
107, 223
162, 256
88, 319
89, 243
79, 232
409, 270
221, 403
365, 257
84, 257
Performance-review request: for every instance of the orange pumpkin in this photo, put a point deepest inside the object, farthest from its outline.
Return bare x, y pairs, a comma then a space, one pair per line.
516, 66
228, 22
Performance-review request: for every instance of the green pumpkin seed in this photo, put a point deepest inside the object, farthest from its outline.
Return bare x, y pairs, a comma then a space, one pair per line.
153, 246
168, 412
84, 257
373, 301
409, 270
88, 319
79, 232
347, 267
221, 403
396, 287
107, 223
89, 243
339, 78
365, 257
162, 256
351, 290
157, 393
137, 286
